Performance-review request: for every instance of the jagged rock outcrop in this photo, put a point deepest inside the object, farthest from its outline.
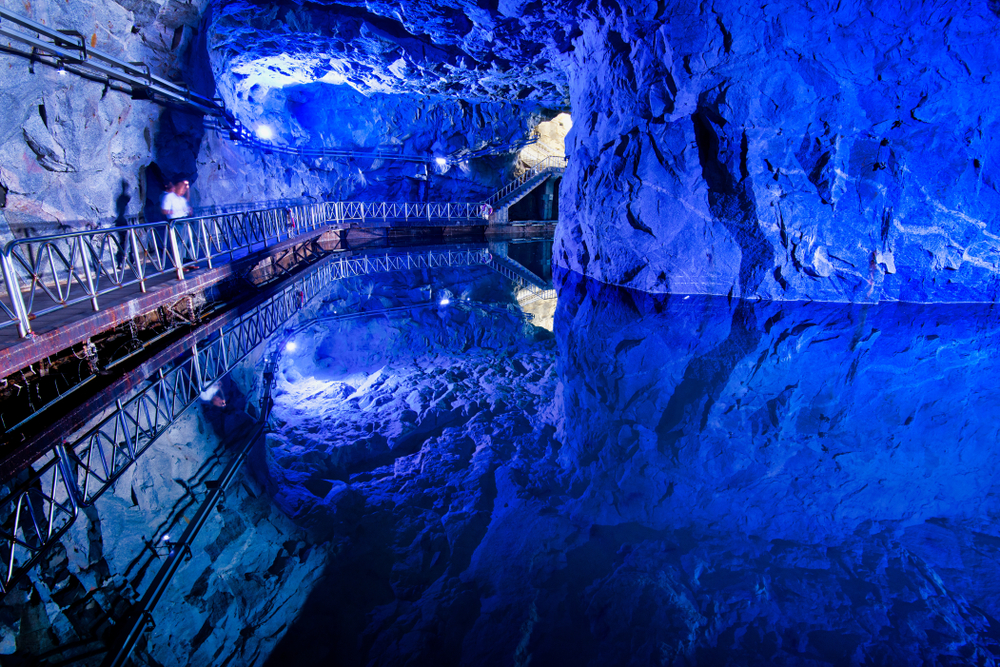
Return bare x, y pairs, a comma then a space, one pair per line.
452, 49
781, 152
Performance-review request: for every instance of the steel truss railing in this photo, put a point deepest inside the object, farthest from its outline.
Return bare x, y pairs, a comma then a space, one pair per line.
39, 510
44, 274
551, 164
413, 213
47, 273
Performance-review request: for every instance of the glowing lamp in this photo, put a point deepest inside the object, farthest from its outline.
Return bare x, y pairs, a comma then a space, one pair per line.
265, 132
445, 301
292, 346
441, 162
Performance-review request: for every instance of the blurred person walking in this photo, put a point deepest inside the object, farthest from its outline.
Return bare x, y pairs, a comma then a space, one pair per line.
177, 201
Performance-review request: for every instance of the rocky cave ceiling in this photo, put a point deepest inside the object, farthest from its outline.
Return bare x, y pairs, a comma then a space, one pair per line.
787, 151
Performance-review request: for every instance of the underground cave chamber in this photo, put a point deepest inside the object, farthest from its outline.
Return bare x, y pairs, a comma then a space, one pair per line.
430, 374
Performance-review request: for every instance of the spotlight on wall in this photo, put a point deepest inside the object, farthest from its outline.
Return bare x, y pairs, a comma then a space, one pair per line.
291, 346
265, 132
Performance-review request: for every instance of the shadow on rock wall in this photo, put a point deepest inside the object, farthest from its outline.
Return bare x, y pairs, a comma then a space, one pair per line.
177, 140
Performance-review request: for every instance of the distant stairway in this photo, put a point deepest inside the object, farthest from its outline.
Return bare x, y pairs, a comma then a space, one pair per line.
521, 186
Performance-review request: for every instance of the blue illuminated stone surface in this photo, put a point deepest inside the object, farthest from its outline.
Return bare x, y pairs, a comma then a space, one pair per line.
786, 151
675, 481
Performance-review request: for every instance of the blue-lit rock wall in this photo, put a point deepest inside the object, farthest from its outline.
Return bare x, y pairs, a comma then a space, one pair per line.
786, 151
417, 127
457, 49
421, 80
74, 155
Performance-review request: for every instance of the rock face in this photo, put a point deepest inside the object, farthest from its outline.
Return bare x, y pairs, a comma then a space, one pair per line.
418, 79
74, 156
460, 49
337, 116
785, 153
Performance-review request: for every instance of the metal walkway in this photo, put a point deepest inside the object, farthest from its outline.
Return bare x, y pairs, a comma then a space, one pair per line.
46, 274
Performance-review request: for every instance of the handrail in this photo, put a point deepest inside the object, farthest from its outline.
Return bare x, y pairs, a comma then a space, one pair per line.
46, 273
547, 165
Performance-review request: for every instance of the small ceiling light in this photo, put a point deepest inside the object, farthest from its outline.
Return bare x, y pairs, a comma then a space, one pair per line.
165, 538
292, 346
265, 132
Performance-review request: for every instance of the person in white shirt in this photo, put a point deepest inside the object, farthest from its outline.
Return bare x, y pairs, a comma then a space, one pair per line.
176, 203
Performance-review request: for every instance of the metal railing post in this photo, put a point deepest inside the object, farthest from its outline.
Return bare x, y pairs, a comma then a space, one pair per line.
140, 272
175, 251
89, 275
196, 363
191, 244
69, 477
205, 238
14, 292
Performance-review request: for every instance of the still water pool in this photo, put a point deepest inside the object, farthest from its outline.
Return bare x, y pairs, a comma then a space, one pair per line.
664, 480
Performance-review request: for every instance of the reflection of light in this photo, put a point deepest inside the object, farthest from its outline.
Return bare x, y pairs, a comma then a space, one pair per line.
445, 301
265, 132
292, 346
441, 162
